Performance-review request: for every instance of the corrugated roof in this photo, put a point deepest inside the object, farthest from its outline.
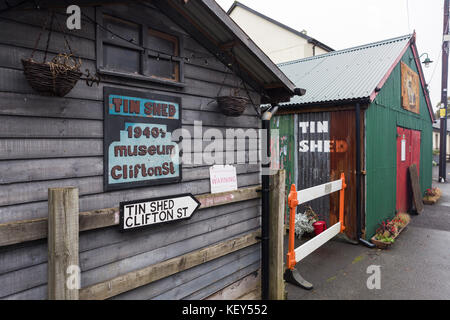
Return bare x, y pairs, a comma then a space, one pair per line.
350, 74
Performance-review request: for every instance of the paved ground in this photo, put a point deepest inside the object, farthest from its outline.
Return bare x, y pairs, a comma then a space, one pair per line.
417, 266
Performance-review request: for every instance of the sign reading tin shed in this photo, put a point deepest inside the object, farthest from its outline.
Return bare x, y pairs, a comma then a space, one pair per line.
320, 129
142, 213
138, 146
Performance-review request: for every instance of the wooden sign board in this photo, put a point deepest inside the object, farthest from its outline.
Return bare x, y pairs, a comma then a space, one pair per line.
415, 184
410, 89
137, 143
142, 213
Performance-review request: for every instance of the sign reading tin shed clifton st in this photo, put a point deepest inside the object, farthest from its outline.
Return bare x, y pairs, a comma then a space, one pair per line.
138, 146
146, 212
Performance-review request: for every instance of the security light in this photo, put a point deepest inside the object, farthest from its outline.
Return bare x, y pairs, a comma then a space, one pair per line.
427, 60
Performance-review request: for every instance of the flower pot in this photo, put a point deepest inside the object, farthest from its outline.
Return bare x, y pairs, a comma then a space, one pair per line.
380, 244
385, 245
319, 227
432, 199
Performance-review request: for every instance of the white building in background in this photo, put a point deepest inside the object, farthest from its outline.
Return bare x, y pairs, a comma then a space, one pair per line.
437, 136
278, 41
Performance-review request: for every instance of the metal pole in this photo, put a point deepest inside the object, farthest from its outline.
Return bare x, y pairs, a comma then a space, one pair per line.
265, 202
443, 120
265, 216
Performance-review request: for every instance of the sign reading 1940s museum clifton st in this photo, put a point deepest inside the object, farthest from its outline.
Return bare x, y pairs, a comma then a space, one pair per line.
138, 146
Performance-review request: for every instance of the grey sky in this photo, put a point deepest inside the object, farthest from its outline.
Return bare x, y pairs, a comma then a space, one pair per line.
348, 23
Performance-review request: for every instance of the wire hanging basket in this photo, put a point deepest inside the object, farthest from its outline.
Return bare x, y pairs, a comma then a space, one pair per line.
232, 106
50, 78
56, 77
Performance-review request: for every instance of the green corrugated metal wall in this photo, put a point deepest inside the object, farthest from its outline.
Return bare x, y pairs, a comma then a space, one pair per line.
382, 118
285, 125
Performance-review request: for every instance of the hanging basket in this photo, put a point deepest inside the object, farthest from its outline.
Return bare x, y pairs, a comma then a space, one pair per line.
50, 78
232, 106
58, 76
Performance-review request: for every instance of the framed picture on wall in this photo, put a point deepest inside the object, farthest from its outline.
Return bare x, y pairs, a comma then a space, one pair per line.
410, 89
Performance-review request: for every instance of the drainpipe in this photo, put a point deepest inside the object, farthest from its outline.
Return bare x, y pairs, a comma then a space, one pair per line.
266, 116
265, 196
358, 178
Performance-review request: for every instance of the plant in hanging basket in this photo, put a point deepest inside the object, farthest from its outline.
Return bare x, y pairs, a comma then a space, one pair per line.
53, 78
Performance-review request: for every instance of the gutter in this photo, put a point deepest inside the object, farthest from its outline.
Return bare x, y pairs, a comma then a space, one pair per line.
265, 203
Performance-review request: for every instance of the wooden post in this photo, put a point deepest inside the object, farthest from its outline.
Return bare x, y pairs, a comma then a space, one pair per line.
63, 228
277, 205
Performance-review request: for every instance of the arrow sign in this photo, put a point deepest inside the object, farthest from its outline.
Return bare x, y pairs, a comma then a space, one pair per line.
146, 212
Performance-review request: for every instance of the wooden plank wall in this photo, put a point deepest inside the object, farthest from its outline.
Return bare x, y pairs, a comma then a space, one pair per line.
48, 142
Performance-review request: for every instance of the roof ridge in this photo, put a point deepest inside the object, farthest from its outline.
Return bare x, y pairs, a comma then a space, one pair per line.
343, 51
350, 74
279, 24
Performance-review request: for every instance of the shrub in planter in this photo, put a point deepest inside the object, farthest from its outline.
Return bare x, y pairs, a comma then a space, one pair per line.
432, 195
401, 220
389, 230
431, 192
385, 234
304, 222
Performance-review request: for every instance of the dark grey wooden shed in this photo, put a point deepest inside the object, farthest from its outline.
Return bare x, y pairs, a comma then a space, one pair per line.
182, 51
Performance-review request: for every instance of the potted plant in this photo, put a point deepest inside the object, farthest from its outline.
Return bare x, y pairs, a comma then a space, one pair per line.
385, 235
389, 230
304, 222
401, 220
432, 195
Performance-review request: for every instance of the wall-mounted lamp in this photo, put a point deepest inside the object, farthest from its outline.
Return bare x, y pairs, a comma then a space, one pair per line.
427, 60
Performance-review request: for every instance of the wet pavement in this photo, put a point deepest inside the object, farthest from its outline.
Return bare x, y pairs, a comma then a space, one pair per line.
417, 266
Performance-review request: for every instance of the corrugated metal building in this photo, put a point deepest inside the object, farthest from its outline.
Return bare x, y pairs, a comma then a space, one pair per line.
385, 80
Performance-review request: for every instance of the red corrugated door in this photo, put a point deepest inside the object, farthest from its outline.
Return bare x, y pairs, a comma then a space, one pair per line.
408, 152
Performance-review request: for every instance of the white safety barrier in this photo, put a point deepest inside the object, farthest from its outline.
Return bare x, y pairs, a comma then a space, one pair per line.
294, 199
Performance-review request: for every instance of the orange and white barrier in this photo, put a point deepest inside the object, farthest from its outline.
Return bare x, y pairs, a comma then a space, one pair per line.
296, 198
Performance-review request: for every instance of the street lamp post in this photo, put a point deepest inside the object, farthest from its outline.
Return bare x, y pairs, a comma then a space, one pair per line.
443, 115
